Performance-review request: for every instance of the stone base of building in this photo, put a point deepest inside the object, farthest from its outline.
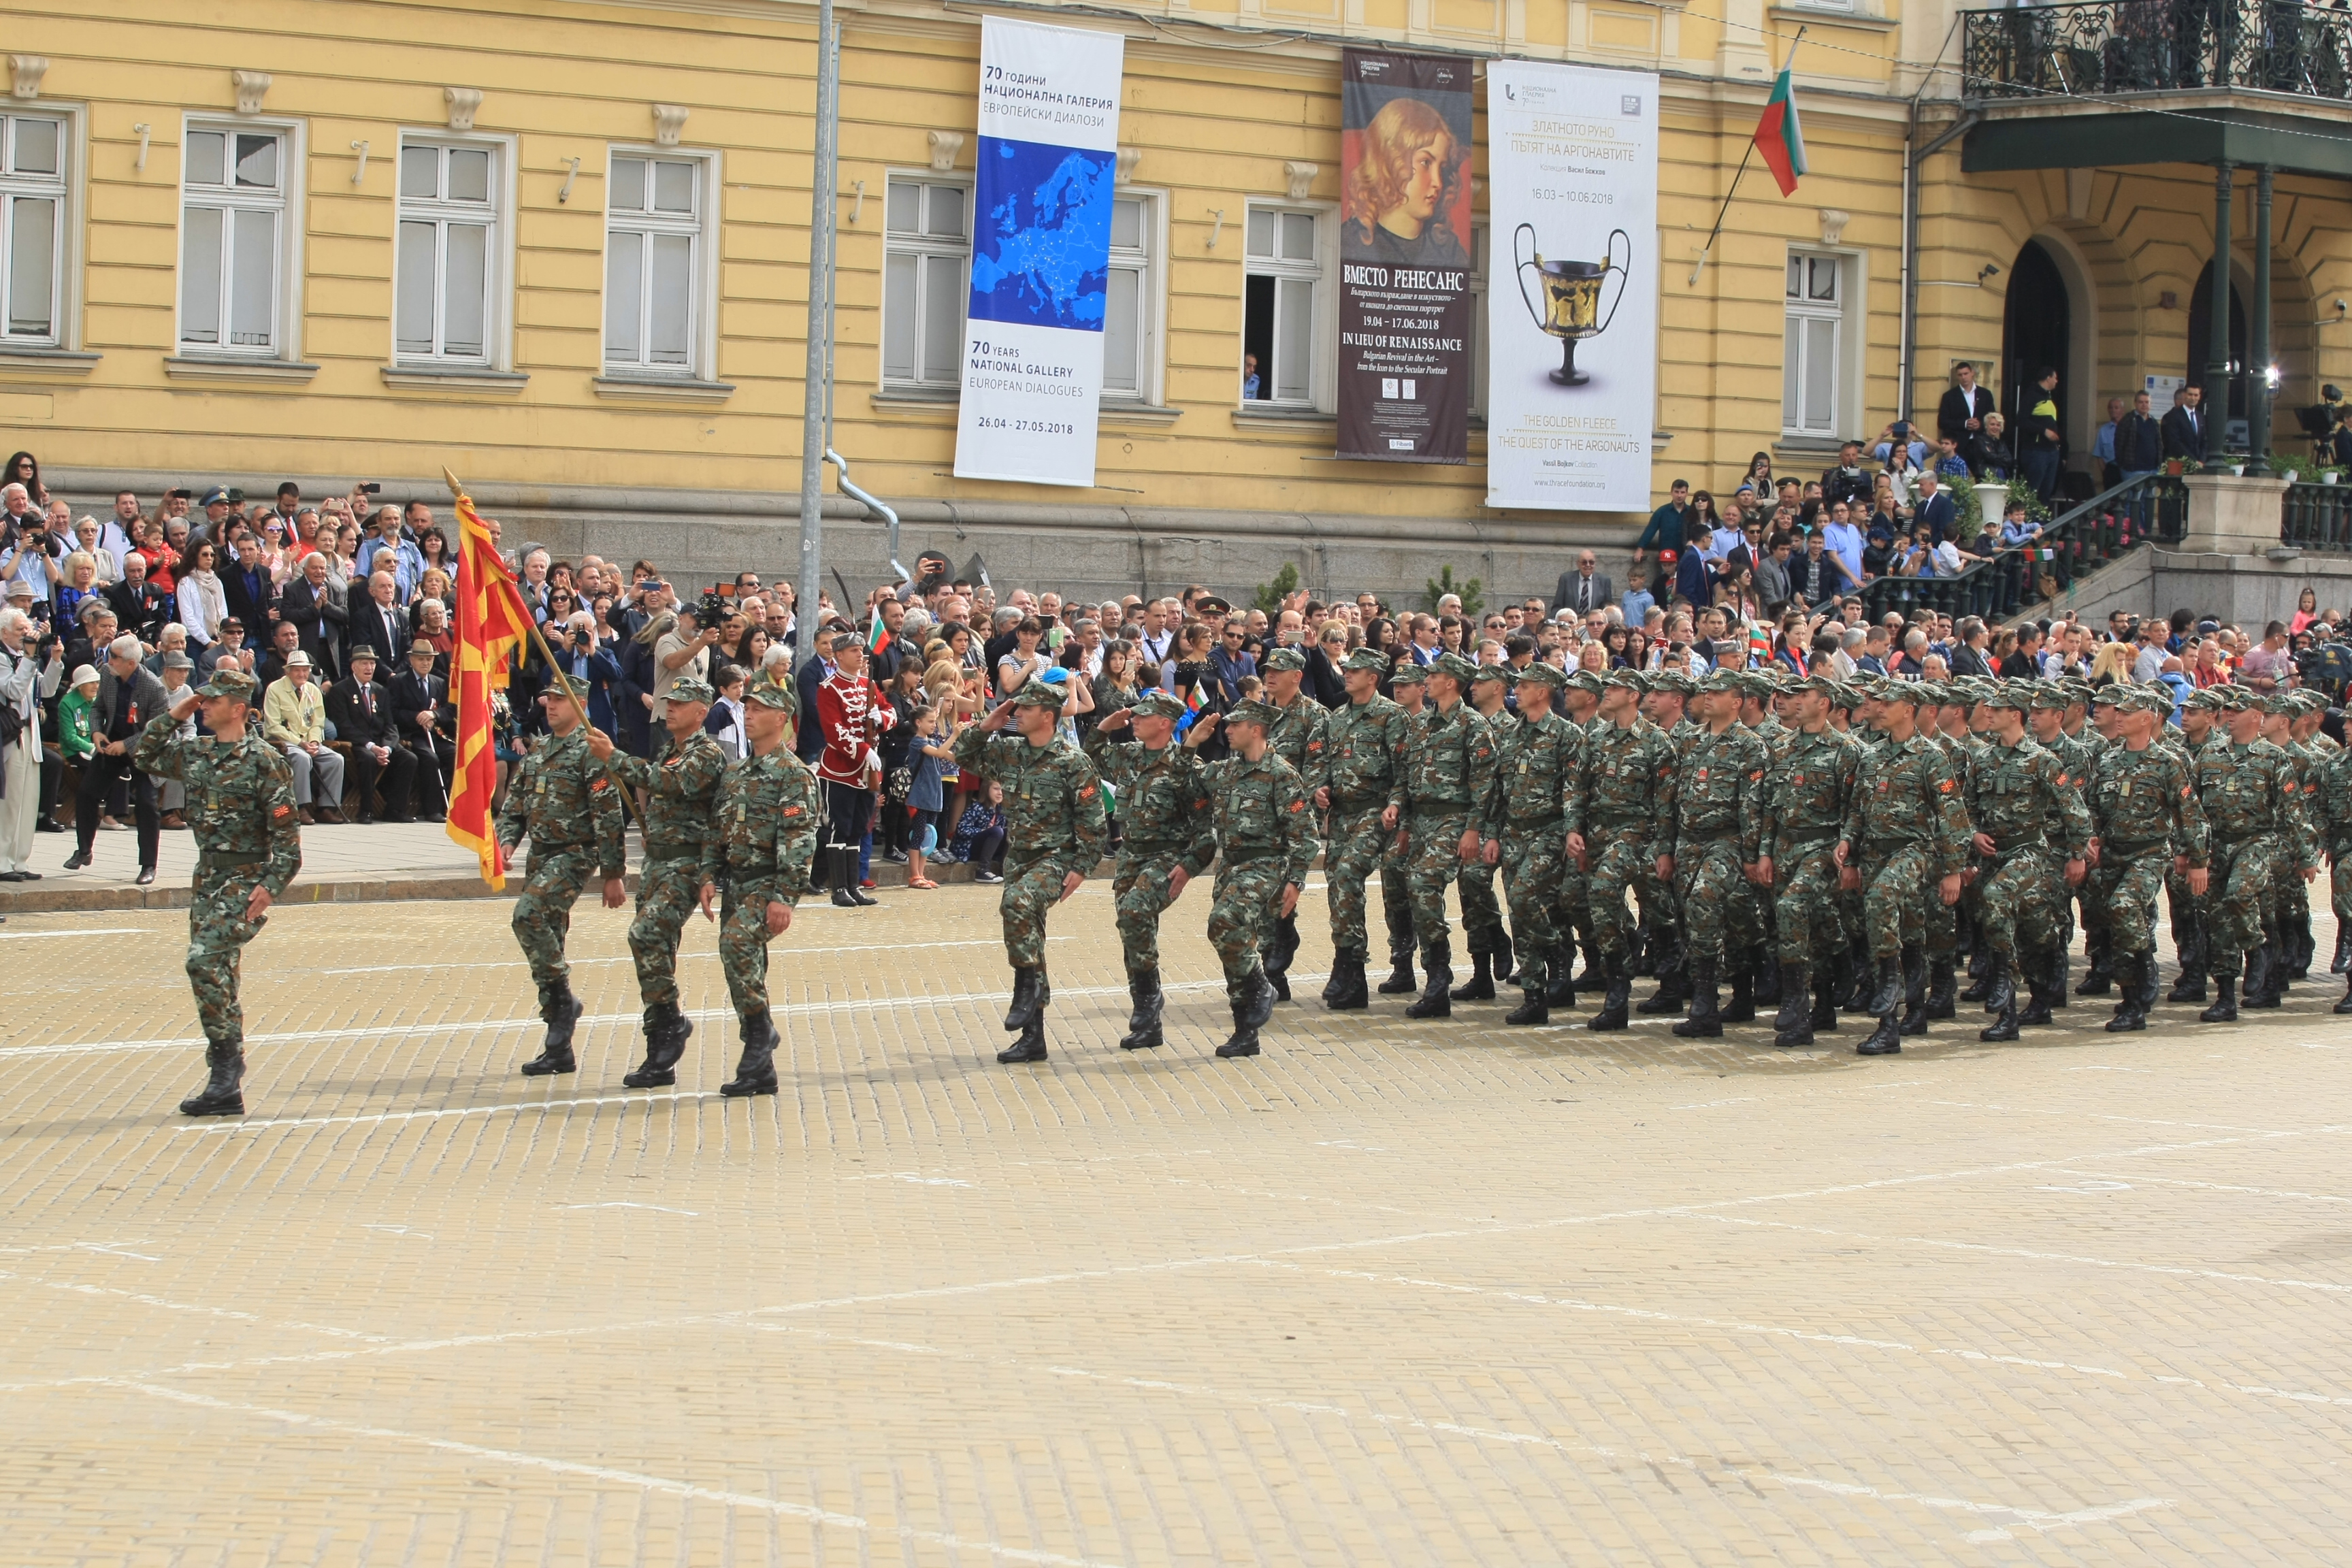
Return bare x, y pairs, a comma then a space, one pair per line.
2246, 590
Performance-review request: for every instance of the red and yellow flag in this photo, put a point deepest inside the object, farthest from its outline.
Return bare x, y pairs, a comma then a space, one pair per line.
492, 623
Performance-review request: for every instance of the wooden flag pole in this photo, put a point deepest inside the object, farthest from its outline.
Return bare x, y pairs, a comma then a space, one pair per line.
457, 492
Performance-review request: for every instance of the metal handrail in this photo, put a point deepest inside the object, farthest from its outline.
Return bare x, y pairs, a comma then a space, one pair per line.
2116, 47
2150, 508
2317, 517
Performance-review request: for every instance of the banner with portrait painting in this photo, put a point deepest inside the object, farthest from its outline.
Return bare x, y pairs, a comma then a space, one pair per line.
1572, 286
1405, 304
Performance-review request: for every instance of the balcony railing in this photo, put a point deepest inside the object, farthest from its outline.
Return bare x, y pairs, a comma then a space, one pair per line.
2152, 508
2317, 517
2156, 46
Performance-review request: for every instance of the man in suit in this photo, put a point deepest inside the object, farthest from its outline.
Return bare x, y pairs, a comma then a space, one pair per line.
1933, 506
2183, 427
380, 622
246, 591
128, 696
318, 610
1962, 413
1586, 588
139, 607
428, 726
809, 743
361, 713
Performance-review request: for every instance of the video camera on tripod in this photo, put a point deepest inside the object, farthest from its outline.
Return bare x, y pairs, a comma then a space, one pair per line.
717, 603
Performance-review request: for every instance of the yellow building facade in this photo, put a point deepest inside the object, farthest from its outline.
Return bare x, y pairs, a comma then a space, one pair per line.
562, 250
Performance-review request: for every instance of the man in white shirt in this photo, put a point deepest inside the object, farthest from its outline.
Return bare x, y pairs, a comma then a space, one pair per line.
23, 684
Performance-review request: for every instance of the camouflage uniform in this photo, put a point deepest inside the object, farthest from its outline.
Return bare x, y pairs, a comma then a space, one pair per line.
2144, 814
2244, 791
1396, 853
1628, 810
559, 798
1904, 830
1717, 836
760, 839
1449, 767
1363, 761
240, 804
678, 792
2014, 795
2335, 818
1531, 809
1266, 842
1163, 811
1297, 735
1054, 826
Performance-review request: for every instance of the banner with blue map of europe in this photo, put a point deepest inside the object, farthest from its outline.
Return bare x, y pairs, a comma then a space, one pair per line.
1047, 165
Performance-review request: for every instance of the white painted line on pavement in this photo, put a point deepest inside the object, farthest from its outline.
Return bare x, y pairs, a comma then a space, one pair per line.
430, 1115
96, 931
2225, 1187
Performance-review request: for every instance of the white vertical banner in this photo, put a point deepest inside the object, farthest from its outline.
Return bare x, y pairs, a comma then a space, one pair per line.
1047, 165
1572, 286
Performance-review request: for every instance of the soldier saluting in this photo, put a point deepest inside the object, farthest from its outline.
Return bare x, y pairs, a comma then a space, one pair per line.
1053, 836
678, 792
240, 802
762, 836
1166, 839
560, 799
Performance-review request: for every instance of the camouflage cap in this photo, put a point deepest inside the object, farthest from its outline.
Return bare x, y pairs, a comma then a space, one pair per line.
2116, 694
1289, 658
229, 682
1846, 695
1040, 694
1543, 675
1157, 704
1721, 680
1367, 657
769, 693
1672, 683
2047, 694
1904, 692
1632, 680
2230, 698
688, 690
1407, 673
2208, 701
1502, 672
1592, 685
1455, 665
2012, 698
1251, 711
2158, 697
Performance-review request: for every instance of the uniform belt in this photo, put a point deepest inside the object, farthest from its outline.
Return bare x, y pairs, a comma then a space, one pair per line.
222, 859
1810, 838
1250, 854
670, 857
1612, 819
2017, 846
1554, 820
1441, 808
2133, 845
544, 847
1706, 835
1358, 803
1881, 846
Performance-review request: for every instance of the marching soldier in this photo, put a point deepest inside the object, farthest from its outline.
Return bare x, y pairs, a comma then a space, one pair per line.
560, 799
1363, 790
1412, 697
1266, 842
1449, 767
1714, 854
1166, 838
1580, 704
2290, 721
763, 837
1298, 737
678, 792
2014, 792
1806, 797
1666, 702
1904, 831
2057, 726
2244, 787
240, 802
1627, 811
1539, 791
1054, 827
2335, 813
2145, 819
1482, 912
2200, 726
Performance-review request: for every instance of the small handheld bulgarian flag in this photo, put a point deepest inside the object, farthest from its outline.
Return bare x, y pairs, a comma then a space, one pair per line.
1194, 701
1779, 136
878, 635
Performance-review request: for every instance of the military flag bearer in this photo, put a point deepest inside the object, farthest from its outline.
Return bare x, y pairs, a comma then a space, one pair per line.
560, 799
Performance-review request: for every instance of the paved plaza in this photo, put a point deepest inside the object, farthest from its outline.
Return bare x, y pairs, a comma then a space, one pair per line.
1393, 1293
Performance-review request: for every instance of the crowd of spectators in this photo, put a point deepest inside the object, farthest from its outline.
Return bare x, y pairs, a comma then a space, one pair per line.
344, 611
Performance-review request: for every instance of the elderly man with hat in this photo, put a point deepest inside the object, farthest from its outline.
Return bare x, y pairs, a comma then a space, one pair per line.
294, 719
1904, 831
1449, 768
2016, 794
679, 793
240, 795
1054, 827
2146, 821
1266, 842
360, 708
1807, 792
1539, 791
761, 839
1363, 791
559, 798
426, 722
128, 696
2245, 787
1296, 736
1167, 838
1626, 810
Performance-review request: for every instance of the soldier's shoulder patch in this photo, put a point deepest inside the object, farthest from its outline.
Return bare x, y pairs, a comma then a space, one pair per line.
283, 811
1201, 804
1947, 786
600, 784
1314, 745
1086, 791
791, 811
1754, 776
1298, 805
2184, 792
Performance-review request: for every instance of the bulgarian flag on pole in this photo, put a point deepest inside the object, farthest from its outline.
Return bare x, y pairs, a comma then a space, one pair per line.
878, 635
1780, 138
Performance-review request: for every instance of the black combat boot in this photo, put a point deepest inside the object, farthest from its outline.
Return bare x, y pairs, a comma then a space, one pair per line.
1535, 1009
1618, 992
1435, 1000
1480, 986
2224, 1009
1596, 968
1826, 989
841, 875
2099, 978
1026, 985
1887, 1039
1261, 1002
1143, 1024
1029, 1044
2145, 989
1793, 1024
2344, 1005
2195, 959
1506, 953
563, 1014
1796, 1000
2304, 948
1979, 988
1883, 993
1247, 1020
666, 1035
2041, 990
2256, 991
1742, 1007
1863, 979
221, 1095
1641, 958
2342, 963
1400, 982
1706, 1022
1767, 975
1560, 982
2057, 970
756, 1072
1943, 976
1346, 992
1276, 960
2003, 1000
2131, 1014
1672, 975
1915, 991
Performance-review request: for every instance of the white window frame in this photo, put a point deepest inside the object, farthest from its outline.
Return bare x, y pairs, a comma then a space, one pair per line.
702, 307
64, 188
286, 292
498, 317
951, 383
1845, 363
1149, 259
1323, 330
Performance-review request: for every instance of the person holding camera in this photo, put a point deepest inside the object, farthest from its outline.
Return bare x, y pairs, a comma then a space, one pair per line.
28, 674
683, 653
